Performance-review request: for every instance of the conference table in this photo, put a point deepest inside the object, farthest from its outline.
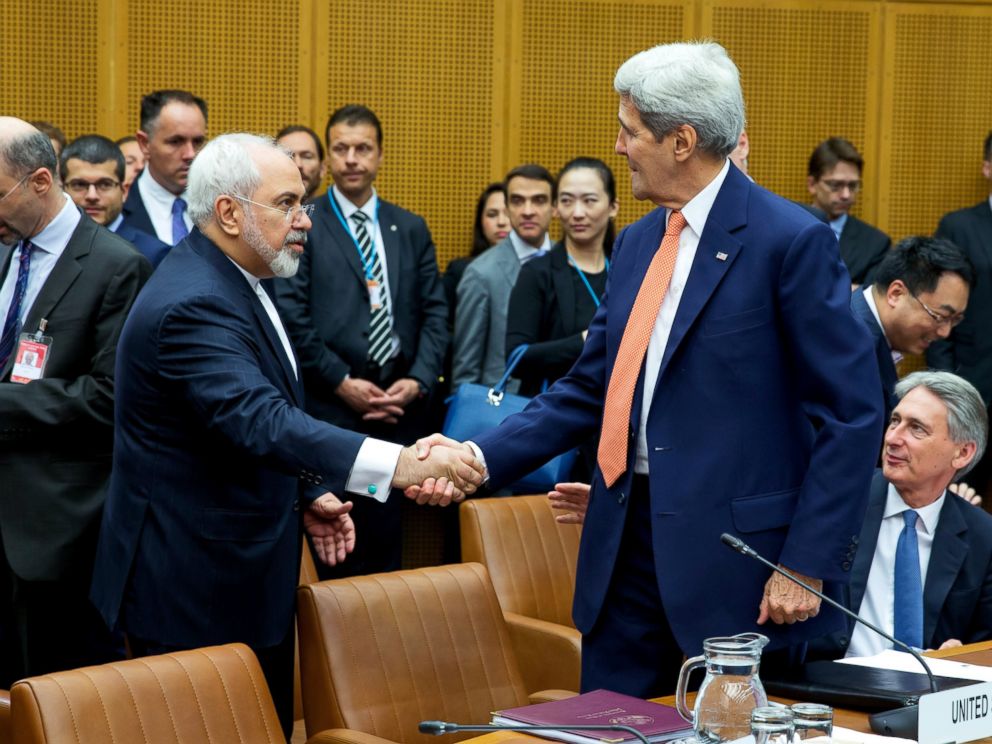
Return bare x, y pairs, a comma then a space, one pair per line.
975, 653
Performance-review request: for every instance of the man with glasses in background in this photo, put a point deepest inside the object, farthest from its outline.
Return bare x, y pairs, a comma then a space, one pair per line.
93, 171
834, 179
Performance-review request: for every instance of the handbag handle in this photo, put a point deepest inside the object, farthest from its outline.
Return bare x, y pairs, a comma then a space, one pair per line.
496, 392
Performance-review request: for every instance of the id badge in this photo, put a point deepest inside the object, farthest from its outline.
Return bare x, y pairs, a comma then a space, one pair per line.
30, 358
375, 293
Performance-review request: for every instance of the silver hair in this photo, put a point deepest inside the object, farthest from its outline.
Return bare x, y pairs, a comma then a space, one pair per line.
694, 83
224, 166
967, 418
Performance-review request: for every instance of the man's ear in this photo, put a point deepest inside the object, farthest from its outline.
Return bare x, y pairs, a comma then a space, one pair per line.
226, 209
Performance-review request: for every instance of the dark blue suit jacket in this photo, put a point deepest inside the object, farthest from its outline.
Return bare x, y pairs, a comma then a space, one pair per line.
764, 421
149, 246
957, 598
200, 541
135, 213
883, 352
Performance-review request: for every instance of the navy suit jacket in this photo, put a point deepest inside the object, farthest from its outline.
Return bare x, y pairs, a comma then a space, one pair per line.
957, 597
883, 352
135, 213
149, 246
764, 421
200, 541
327, 313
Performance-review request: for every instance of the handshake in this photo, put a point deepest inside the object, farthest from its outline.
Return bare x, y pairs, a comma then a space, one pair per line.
437, 470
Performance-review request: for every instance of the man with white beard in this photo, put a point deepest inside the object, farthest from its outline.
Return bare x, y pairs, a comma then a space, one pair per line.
216, 467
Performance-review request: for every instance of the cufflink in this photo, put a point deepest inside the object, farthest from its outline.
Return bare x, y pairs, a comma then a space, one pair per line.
372, 488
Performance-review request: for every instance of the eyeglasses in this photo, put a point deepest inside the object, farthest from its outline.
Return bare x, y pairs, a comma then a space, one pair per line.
835, 186
291, 215
103, 186
14, 187
940, 320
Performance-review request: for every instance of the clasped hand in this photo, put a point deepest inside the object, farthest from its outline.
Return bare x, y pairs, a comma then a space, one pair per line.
437, 470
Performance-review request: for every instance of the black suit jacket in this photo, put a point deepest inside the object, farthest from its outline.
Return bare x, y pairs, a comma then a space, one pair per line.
968, 350
957, 597
862, 248
326, 307
883, 352
543, 312
148, 245
135, 213
56, 433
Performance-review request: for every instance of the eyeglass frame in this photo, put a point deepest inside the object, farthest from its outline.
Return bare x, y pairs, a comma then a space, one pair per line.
14, 187
836, 186
92, 184
288, 214
940, 320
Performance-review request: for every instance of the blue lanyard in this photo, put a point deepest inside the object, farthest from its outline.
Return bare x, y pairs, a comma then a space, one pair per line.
582, 276
344, 223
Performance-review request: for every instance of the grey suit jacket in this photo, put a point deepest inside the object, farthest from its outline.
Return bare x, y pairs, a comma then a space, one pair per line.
479, 353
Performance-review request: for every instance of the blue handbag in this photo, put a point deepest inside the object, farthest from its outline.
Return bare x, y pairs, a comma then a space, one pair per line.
474, 409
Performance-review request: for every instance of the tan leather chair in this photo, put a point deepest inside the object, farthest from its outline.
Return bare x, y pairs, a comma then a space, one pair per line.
215, 694
381, 653
531, 559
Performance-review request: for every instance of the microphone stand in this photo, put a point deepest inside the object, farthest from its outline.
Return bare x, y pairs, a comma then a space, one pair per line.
437, 728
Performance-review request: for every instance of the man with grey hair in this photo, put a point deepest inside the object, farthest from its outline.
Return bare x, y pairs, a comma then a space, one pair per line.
66, 285
216, 466
923, 569
733, 390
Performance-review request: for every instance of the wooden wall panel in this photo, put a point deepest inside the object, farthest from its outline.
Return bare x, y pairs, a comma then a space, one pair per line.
809, 72
936, 113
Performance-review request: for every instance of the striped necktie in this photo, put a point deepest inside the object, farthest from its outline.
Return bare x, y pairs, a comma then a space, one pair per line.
381, 323
12, 323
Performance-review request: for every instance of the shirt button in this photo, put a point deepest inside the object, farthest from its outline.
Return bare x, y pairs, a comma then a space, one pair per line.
621, 498
846, 565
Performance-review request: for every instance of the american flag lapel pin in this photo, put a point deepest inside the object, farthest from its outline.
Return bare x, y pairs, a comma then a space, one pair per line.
721, 256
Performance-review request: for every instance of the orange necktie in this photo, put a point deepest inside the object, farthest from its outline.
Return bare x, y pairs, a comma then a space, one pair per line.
612, 454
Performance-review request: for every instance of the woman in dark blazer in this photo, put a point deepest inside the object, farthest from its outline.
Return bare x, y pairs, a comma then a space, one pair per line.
556, 295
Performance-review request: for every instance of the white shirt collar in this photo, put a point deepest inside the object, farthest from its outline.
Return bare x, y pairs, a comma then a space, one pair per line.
525, 249
348, 207
697, 209
252, 279
870, 299
929, 514
116, 223
55, 235
152, 189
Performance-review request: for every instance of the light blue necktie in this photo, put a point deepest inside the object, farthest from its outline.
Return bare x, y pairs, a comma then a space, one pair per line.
179, 229
536, 254
908, 600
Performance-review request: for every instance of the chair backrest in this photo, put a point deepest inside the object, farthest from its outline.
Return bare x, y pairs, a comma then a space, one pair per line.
531, 558
381, 653
207, 695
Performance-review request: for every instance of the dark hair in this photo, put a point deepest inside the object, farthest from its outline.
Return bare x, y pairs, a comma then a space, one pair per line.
479, 242
26, 153
124, 140
50, 130
351, 115
830, 152
988, 147
534, 172
920, 261
294, 128
95, 149
153, 103
609, 186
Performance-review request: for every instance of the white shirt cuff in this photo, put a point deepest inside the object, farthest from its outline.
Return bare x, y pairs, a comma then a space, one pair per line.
372, 473
481, 458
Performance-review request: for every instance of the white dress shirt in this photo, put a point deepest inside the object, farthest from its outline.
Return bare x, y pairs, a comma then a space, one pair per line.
870, 299
877, 606
373, 470
837, 224
370, 209
524, 249
696, 211
158, 201
49, 244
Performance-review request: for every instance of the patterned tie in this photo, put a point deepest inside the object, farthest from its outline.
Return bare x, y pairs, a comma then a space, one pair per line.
179, 229
12, 324
612, 456
907, 603
381, 325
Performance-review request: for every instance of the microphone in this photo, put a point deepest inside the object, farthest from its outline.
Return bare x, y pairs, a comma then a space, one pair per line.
437, 728
899, 722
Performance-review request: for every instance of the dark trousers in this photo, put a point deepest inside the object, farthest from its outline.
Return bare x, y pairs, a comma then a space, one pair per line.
631, 648
49, 626
277, 667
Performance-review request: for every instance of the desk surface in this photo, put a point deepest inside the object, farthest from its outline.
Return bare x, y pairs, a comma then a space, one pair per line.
975, 653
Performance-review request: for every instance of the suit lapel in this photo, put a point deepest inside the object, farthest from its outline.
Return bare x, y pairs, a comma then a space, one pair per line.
63, 275
340, 238
275, 345
391, 247
868, 540
950, 546
561, 278
508, 262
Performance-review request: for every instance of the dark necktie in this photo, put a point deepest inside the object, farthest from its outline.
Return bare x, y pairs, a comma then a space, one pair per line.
381, 324
907, 603
12, 323
179, 229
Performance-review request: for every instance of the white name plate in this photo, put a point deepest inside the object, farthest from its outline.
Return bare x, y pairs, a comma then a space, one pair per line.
961, 714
